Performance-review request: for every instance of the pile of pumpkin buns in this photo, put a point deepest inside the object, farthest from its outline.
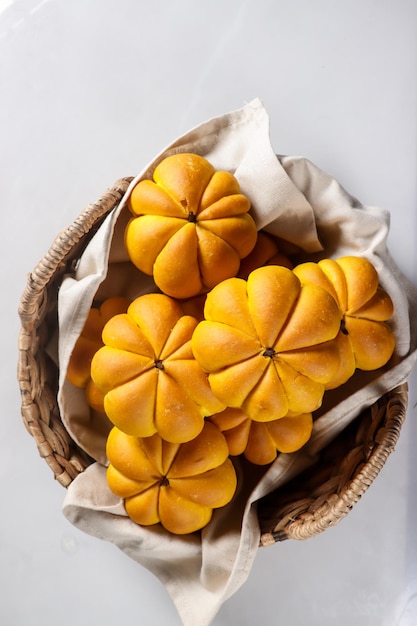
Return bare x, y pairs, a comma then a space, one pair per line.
230, 357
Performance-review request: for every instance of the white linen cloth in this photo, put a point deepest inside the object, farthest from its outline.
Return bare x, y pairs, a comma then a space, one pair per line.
294, 199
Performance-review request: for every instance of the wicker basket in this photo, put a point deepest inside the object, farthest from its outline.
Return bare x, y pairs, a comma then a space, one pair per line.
302, 508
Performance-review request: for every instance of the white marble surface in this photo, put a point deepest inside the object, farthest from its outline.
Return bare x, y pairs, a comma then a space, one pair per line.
91, 90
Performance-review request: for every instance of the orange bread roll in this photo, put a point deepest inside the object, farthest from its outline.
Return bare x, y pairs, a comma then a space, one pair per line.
89, 341
147, 372
365, 340
260, 442
190, 226
177, 485
267, 343
265, 252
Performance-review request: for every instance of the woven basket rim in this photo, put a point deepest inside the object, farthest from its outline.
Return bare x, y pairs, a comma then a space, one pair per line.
40, 413
39, 408
330, 510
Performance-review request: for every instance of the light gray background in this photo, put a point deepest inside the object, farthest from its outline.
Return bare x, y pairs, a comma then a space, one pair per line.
91, 90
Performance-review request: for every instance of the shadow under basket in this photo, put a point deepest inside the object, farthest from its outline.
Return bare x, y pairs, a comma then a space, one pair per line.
307, 505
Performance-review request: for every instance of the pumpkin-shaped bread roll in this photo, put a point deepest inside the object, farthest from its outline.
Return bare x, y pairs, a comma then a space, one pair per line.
89, 341
365, 340
148, 374
177, 485
190, 226
265, 252
260, 442
267, 343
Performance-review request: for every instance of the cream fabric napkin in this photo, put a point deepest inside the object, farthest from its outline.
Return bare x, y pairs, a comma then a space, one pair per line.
294, 199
